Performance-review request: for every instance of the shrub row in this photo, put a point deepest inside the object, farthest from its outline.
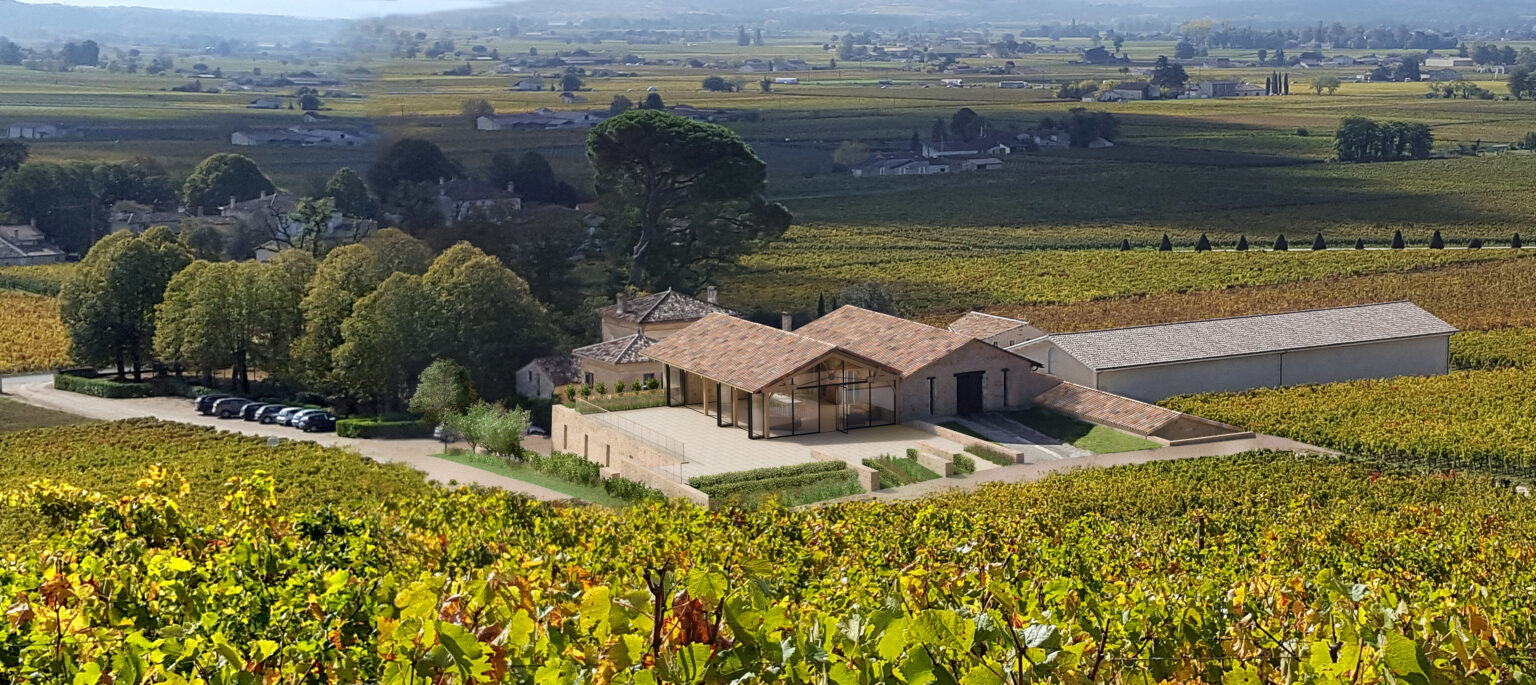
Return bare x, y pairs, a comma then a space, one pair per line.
102, 387
704, 482
900, 471
566, 466
631, 490
622, 403
991, 454
964, 464
771, 485
381, 429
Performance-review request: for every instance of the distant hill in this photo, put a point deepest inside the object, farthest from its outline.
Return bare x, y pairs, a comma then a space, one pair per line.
28, 23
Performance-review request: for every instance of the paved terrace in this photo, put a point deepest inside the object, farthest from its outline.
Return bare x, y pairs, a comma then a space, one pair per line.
712, 449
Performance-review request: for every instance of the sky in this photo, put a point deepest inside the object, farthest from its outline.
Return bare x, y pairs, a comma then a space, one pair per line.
346, 9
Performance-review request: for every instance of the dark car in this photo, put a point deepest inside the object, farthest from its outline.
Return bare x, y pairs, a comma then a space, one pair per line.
316, 422
249, 411
229, 407
204, 403
268, 414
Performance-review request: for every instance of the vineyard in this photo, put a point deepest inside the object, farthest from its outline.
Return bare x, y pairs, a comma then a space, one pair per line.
1471, 418
31, 336
108, 458
1468, 296
1259, 568
43, 279
960, 270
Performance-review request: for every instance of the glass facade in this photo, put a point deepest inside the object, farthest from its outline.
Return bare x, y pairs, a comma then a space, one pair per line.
833, 395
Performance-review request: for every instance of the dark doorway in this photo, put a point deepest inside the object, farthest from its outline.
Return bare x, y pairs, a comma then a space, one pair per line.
968, 393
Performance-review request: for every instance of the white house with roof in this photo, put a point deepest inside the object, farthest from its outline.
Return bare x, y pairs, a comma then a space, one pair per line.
994, 330
1150, 363
24, 245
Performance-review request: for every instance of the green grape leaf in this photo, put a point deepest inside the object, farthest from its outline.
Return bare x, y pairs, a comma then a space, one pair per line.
942, 628
1405, 660
894, 641
980, 675
1241, 675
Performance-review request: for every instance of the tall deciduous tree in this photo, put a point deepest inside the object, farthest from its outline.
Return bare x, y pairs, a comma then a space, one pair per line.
221, 177
444, 388
345, 276
387, 341
409, 159
681, 195
489, 321
351, 194
397, 251
12, 154
108, 302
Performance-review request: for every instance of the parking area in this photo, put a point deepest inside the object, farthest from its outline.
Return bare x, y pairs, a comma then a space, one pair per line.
414, 453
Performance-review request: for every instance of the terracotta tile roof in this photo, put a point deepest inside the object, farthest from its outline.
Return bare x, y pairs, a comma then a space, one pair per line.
667, 305
625, 350
898, 344
561, 368
1245, 335
738, 353
1097, 406
981, 325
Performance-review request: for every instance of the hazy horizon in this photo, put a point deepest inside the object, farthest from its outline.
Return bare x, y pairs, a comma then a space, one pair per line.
311, 9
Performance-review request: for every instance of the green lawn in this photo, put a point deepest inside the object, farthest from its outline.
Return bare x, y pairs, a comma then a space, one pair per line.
484, 462
896, 471
15, 416
1096, 439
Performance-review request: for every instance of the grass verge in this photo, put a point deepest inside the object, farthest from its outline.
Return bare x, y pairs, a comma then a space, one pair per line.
526, 474
1080, 434
898, 471
16, 416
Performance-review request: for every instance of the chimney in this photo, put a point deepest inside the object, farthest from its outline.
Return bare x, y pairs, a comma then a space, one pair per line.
623, 303
786, 321
231, 201
712, 295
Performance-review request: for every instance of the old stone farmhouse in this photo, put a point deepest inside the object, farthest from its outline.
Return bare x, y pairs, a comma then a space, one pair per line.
1150, 363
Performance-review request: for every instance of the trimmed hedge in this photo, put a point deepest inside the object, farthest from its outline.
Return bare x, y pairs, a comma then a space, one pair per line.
103, 387
566, 467
632, 490
646, 400
770, 485
379, 429
897, 471
705, 482
964, 464
989, 454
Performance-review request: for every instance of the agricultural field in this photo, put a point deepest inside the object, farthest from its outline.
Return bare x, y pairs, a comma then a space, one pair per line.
952, 271
108, 458
44, 279
1471, 419
1258, 568
31, 336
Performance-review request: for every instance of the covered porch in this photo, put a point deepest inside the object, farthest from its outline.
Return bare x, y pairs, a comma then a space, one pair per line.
835, 392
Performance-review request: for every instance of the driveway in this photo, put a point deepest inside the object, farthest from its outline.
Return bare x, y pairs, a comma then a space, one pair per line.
39, 391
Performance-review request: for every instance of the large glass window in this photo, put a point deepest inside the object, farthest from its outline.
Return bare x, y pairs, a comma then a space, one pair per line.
807, 411
781, 415
882, 404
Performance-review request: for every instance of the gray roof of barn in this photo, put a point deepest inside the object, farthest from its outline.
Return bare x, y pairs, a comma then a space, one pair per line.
667, 305
1248, 335
625, 350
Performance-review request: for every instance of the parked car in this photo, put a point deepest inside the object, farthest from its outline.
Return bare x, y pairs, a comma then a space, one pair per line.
249, 411
229, 407
287, 413
268, 414
317, 422
204, 403
293, 419
535, 430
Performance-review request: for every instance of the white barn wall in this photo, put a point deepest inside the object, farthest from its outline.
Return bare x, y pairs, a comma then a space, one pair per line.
1153, 383
1415, 357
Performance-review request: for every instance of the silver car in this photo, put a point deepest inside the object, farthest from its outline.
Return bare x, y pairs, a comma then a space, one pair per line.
286, 415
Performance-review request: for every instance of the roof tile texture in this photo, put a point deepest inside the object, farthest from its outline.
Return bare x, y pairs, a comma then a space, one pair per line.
739, 353
901, 345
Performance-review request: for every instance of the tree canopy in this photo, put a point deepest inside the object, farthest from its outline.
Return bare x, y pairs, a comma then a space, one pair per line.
222, 177
108, 302
351, 194
681, 195
410, 159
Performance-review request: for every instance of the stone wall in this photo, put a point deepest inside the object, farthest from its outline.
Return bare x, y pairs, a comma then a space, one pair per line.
573, 432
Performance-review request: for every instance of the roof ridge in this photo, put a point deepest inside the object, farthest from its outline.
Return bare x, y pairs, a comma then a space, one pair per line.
1245, 316
665, 294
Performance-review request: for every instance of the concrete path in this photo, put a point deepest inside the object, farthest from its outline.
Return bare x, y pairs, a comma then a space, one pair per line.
39, 391
1017, 436
1020, 473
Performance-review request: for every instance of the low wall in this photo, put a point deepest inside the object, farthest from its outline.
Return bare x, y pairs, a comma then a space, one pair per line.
573, 432
965, 440
667, 486
935, 459
869, 479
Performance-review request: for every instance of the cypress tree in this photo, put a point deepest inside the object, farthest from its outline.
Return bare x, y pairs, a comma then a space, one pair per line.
1397, 240
1204, 245
821, 306
1317, 243
1280, 244
1242, 243
1475, 244
1359, 243
1125, 244
1515, 243
1436, 242
1166, 245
